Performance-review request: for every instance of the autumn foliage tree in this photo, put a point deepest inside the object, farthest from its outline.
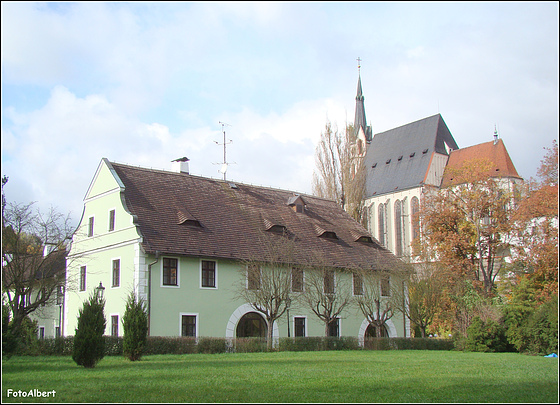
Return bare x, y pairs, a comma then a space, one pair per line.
536, 227
467, 225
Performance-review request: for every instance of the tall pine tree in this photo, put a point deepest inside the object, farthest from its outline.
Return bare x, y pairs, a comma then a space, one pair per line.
89, 344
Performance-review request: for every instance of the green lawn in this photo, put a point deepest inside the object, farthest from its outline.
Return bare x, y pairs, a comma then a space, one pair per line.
335, 376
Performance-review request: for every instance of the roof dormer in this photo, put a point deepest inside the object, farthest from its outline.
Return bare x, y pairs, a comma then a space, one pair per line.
297, 203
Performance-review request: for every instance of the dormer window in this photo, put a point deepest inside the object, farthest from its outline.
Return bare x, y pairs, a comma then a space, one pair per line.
328, 235
425, 151
296, 203
373, 166
388, 161
323, 233
281, 229
400, 158
412, 154
364, 239
187, 219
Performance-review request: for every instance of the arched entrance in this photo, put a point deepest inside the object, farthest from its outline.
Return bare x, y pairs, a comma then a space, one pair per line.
371, 332
251, 325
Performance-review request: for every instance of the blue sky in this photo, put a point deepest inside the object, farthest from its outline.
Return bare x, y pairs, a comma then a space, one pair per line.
147, 82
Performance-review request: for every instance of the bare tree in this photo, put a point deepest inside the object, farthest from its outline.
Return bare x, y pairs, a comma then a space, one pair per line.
326, 293
34, 248
424, 298
266, 282
382, 295
339, 174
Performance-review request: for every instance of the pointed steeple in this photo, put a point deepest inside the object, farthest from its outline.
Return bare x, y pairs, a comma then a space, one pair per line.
360, 114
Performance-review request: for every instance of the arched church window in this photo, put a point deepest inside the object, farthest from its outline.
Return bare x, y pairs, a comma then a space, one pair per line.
381, 218
415, 208
398, 228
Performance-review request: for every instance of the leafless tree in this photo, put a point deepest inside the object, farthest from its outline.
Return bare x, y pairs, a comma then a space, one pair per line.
382, 295
34, 246
326, 293
266, 281
339, 172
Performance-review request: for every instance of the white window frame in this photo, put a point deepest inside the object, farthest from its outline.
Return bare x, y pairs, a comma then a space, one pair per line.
354, 275
196, 324
293, 321
178, 273
118, 323
247, 278
91, 226
114, 220
215, 275
120, 272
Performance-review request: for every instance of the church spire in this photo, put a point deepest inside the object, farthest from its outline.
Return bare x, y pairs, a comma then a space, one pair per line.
360, 114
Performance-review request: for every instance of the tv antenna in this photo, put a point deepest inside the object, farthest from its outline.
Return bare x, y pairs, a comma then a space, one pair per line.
224, 167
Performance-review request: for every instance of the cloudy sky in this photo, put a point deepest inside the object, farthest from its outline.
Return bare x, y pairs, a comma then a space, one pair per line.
147, 82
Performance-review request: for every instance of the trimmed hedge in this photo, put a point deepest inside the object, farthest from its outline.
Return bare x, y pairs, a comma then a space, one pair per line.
62, 346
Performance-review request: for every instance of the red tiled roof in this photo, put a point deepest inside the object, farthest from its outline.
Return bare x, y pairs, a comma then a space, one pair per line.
493, 152
188, 215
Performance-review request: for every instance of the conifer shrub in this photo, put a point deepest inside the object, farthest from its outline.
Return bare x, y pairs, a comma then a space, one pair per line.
135, 326
89, 343
489, 336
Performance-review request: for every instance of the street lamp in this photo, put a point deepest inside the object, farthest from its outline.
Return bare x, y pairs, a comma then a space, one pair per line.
288, 303
100, 290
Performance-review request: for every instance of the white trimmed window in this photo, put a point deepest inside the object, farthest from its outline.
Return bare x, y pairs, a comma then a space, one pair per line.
208, 274
189, 325
170, 272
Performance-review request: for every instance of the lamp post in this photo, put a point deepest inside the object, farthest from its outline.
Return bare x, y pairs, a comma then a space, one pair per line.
288, 303
99, 291
59, 302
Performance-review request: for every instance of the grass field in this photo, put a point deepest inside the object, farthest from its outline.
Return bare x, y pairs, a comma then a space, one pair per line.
333, 376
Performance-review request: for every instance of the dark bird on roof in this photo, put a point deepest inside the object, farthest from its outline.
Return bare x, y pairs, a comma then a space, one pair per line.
183, 159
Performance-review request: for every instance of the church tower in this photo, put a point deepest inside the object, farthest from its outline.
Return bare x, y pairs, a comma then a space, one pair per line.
362, 132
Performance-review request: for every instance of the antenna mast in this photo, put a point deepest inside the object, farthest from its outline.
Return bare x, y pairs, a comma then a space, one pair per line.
224, 163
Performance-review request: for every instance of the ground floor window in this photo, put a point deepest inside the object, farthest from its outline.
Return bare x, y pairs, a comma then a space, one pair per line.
371, 331
251, 325
114, 325
299, 326
188, 325
334, 327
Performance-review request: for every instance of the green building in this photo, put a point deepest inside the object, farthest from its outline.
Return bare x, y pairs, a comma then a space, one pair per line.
187, 244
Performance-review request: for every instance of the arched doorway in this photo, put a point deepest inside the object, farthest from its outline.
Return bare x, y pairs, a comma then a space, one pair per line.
371, 332
251, 325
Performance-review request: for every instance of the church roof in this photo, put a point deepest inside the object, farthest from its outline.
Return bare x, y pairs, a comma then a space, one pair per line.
400, 158
495, 152
182, 214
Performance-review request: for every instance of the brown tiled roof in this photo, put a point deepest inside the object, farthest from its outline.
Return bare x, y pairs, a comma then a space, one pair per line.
188, 215
493, 152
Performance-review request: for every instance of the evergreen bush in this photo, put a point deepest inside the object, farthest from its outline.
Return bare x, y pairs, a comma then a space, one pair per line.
135, 326
489, 336
89, 342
